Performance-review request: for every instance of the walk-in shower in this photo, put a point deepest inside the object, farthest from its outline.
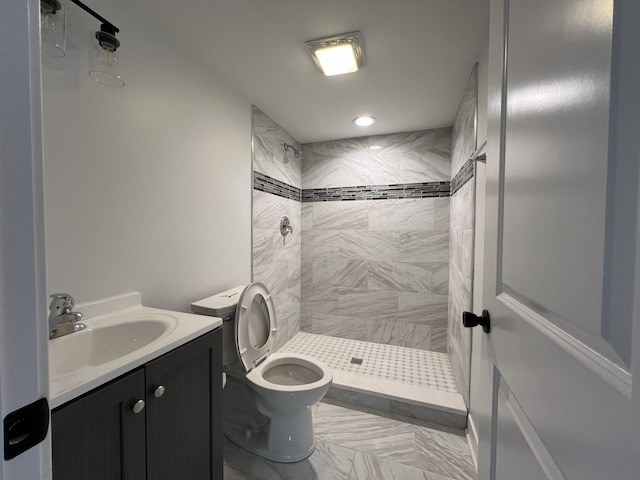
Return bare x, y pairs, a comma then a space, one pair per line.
374, 280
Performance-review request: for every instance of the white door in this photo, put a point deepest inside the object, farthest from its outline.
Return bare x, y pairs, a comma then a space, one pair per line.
24, 376
562, 256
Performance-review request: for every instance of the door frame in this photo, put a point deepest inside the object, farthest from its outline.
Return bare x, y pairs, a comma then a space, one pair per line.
24, 376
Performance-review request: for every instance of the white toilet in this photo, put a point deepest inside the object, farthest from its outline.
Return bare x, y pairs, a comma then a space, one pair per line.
267, 396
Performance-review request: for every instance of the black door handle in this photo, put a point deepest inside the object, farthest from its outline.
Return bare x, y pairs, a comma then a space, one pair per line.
470, 319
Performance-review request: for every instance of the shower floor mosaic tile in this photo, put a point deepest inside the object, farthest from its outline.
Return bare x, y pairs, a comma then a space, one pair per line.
418, 368
415, 385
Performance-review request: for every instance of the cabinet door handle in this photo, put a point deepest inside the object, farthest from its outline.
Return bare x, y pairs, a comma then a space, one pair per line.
138, 406
158, 392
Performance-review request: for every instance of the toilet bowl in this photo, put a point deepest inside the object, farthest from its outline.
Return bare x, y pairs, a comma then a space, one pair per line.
268, 397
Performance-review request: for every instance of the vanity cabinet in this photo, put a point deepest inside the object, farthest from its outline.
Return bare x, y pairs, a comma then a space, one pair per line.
178, 433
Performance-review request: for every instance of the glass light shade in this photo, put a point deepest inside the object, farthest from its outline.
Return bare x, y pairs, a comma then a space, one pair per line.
53, 30
337, 59
364, 120
104, 66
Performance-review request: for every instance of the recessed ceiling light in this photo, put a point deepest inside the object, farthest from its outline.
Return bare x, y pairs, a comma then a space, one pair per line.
338, 54
364, 120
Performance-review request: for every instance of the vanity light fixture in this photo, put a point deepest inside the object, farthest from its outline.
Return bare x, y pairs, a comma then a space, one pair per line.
364, 120
53, 24
103, 61
338, 54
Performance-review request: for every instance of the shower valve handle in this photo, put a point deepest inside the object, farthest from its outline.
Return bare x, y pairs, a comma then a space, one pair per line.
470, 320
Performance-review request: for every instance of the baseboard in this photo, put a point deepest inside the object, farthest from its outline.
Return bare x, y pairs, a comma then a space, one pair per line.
472, 439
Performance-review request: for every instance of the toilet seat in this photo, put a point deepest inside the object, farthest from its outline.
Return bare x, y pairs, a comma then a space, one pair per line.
304, 373
255, 324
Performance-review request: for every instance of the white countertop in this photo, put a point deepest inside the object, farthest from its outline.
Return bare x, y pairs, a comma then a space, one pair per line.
182, 328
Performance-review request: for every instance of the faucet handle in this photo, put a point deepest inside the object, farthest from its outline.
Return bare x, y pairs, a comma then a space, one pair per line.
62, 301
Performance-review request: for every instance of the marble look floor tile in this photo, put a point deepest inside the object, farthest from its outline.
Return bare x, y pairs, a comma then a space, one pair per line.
371, 467
365, 432
233, 474
340, 272
328, 462
424, 246
369, 245
444, 453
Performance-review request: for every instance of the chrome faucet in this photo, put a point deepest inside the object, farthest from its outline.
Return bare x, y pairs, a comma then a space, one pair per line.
62, 319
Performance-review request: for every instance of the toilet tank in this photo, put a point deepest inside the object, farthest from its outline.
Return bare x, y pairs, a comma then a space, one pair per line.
223, 305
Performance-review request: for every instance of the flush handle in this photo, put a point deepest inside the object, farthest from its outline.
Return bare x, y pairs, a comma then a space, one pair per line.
470, 320
158, 392
138, 406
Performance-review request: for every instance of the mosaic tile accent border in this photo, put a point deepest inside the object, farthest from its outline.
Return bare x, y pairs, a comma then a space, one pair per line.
463, 176
377, 192
267, 184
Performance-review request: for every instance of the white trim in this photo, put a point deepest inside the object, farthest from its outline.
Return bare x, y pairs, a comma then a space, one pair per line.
472, 440
538, 449
609, 371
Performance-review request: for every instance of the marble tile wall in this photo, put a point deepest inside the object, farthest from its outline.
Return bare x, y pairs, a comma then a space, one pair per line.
462, 236
377, 270
276, 259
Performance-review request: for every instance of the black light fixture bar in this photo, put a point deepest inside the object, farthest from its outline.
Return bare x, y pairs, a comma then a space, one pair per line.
96, 15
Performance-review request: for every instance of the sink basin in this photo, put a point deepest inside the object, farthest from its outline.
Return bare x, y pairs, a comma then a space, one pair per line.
105, 343
121, 335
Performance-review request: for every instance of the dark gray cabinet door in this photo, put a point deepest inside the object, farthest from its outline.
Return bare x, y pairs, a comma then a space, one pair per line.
98, 436
184, 431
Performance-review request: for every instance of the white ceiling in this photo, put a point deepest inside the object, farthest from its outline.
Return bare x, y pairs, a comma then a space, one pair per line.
419, 56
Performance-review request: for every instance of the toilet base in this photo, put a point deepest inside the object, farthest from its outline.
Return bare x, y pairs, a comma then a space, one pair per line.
288, 439
256, 443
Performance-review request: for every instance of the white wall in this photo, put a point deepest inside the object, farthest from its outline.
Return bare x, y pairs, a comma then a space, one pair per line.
148, 187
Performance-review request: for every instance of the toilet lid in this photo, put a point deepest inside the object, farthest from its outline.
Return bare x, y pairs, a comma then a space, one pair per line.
255, 324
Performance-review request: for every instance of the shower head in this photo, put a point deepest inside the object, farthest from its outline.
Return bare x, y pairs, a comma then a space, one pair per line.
296, 153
